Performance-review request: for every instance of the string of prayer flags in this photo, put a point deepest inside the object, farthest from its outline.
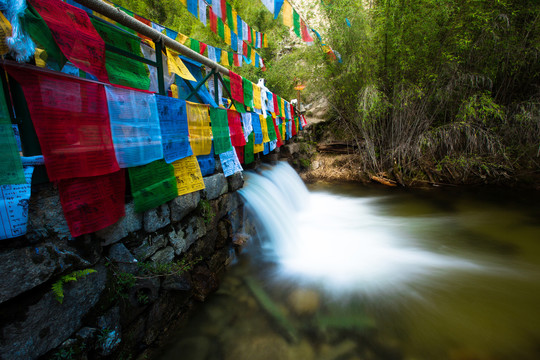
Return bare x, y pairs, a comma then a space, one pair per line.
71, 121
237, 91
220, 130
121, 69
174, 128
248, 150
230, 163
248, 92
77, 38
11, 170
177, 67
200, 132
92, 203
135, 126
257, 130
197, 46
152, 185
188, 175
235, 128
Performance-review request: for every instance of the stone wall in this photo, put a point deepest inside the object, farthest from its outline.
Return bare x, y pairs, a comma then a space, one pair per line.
138, 289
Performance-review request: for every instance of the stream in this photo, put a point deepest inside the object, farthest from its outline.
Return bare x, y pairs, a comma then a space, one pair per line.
357, 272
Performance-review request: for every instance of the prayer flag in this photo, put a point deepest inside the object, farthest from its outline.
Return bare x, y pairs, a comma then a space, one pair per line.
248, 92
135, 126
230, 18
213, 21
177, 67
92, 203
192, 6
75, 35
287, 14
14, 206
271, 129
11, 170
230, 163
235, 128
121, 69
249, 150
221, 28
247, 124
240, 153
188, 175
200, 133
216, 7
257, 129
264, 128
257, 148
296, 23
224, 10
152, 185
237, 91
269, 5
72, 123
227, 38
305, 32
277, 7
207, 163
220, 130
174, 128
202, 11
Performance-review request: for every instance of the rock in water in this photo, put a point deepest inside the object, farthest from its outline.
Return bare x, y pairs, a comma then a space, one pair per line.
304, 301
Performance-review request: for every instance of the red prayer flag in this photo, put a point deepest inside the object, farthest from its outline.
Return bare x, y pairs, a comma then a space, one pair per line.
240, 153
75, 35
202, 47
92, 203
213, 21
276, 105
293, 127
237, 91
245, 49
71, 119
235, 128
236, 60
278, 134
250, 38
305, 32
224, 11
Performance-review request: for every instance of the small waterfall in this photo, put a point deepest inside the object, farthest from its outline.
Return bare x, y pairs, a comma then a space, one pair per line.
339, 243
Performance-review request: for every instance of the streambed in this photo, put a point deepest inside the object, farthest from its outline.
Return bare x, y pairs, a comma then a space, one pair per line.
354, 272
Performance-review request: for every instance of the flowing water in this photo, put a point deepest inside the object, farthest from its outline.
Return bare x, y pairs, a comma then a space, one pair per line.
354, 272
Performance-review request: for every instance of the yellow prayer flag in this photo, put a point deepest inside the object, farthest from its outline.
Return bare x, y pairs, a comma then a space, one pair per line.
5, 31
287, 14
182, 39
257, 148
176, 66
200, 132
188, 175
235, 22
174, 90
257, 97
225, 58
265, 41
40, 56
184, 2
253, 57
227, 34
264, 128
282, 113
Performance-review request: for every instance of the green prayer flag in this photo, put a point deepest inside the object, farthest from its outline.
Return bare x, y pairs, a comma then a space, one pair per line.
121, 69
271, 130
220, 130
11, 171
152, 185
248, 150
248, 92
230, 20
231, 58
38, 30
296, 22
195, 45
221, 28
279, 106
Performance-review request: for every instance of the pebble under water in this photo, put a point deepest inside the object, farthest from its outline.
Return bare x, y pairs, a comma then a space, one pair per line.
354, 272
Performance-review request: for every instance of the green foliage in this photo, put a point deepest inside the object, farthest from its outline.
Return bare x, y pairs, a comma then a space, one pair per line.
206, 211
167, 269
58, 287
64, 354
122, 283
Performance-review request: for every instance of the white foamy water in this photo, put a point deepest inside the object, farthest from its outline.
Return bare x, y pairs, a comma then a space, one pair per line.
340, 243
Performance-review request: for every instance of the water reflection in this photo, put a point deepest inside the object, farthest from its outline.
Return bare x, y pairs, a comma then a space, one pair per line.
376, 273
